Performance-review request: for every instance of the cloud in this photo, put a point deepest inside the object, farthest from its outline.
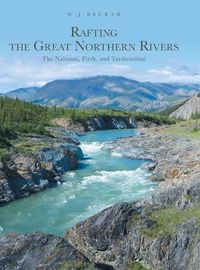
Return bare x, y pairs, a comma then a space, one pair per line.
181, 74
23, 73
27, 73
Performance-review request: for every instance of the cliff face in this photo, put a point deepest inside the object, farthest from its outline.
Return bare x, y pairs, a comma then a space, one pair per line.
189, 109
24, 173
98, 123
106, 122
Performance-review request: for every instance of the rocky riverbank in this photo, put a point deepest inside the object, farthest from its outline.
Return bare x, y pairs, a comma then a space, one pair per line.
37, 162
173, 160
159, 232
97, 123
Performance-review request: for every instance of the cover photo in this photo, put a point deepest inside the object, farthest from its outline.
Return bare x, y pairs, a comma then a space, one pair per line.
99, 135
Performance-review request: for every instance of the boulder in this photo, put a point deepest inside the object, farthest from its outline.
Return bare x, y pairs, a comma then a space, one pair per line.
37, 251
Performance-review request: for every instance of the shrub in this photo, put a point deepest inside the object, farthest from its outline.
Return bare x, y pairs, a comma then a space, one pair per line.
136, 266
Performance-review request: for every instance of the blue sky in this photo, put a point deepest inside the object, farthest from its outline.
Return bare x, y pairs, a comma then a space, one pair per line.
154, 21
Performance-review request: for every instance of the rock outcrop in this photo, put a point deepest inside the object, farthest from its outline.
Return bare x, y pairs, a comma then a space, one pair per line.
120, 236
42, 251
109, 122
160, 232
38, 251
97, 123
22, 174
190, 109
173, 160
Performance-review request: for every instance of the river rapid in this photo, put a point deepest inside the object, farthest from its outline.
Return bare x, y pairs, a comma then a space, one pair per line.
102, 179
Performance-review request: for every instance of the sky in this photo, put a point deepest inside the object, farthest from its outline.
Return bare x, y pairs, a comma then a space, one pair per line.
155, 21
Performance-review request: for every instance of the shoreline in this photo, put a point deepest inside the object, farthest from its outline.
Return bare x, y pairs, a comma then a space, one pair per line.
140, 229
38, 162
100, 175
116, 235
171, 158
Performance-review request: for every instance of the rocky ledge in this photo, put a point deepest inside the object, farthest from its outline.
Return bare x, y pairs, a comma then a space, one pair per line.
24, 172
173, 160
42, 252
159, 232
38, 251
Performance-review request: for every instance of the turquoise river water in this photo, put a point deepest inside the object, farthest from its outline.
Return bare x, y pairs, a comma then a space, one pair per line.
102, 179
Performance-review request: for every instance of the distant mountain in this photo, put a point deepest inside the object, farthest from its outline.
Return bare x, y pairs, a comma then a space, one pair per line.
107, 91
23, 93
189, 109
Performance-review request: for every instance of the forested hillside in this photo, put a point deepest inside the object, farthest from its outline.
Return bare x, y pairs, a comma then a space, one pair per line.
17, 115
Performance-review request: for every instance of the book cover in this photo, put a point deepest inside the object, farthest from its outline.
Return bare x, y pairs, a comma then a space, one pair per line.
99, 135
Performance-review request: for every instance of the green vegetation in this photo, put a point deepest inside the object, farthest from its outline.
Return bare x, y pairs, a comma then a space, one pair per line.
3, 154
17, 115
134, 219
168, 219
76, 266
81, 115
29, 146
4, 143
20, 116
136, 266
183, 129
155, 118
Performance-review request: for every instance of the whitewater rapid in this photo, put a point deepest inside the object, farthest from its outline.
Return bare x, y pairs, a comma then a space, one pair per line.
102, 179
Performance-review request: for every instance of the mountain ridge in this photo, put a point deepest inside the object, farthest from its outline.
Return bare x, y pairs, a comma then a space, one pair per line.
114, 92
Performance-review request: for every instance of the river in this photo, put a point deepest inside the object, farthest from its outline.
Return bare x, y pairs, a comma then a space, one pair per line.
102, 179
